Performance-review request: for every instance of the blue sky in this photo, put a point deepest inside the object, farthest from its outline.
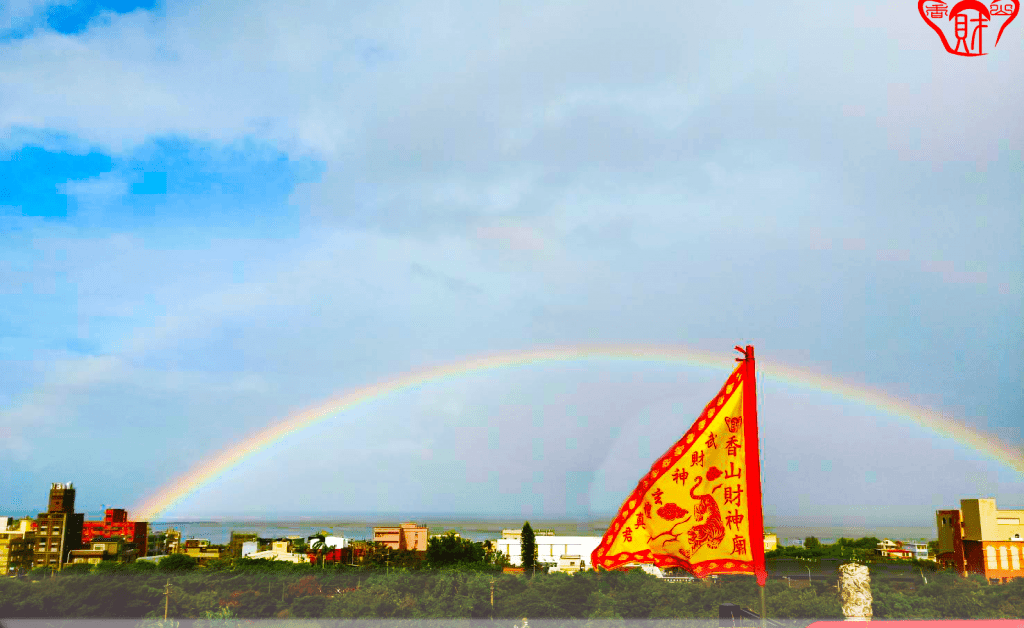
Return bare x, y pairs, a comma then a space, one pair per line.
213, 215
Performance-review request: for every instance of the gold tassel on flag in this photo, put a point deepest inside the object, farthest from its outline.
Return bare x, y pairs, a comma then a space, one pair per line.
699, 508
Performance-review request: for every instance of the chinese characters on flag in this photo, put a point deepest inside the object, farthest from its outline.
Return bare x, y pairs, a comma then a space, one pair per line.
699, 507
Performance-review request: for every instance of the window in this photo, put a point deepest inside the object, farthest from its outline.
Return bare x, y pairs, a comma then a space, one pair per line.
1015, 560
991, 552
1004, 557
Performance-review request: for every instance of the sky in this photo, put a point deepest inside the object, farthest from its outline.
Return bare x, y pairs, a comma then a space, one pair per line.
214, 215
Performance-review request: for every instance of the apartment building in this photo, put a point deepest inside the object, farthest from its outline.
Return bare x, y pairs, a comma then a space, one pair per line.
115, 524
17, 545
979, 538
59, 529
407, 536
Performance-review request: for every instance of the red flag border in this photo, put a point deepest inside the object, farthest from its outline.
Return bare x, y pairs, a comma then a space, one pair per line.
601, 560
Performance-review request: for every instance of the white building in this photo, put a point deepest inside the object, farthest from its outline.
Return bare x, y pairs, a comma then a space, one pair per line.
919, 549
551, 548
278, 555
332, 542
249, 547
568, 563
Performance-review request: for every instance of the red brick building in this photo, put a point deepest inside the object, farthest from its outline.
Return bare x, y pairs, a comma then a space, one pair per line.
980, 539
115, 524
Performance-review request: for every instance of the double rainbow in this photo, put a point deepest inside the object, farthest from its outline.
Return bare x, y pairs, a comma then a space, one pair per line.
208, 470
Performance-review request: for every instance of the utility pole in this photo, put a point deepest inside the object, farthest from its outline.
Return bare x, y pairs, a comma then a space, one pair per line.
167, 597
492, 599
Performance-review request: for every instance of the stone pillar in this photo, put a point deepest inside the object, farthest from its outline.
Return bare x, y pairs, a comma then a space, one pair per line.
855, 589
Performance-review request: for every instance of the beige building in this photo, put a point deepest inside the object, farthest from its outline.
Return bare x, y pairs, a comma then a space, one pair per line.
979, 538
17, 546
568, 563
200, 550
407, 536
88, 556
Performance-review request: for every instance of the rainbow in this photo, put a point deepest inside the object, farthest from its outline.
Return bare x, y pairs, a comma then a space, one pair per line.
208, 470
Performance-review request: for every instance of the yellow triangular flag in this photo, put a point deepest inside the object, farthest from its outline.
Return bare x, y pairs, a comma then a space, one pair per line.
699, 508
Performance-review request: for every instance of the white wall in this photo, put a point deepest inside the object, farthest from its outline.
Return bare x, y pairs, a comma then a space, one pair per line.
549, 548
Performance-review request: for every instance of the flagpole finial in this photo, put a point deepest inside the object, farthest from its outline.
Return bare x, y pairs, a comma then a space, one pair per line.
748, 353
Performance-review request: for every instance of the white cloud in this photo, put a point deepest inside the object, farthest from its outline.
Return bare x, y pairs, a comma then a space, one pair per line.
500, 178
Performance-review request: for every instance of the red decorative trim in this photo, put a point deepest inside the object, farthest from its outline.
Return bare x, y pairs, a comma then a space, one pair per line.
665, 462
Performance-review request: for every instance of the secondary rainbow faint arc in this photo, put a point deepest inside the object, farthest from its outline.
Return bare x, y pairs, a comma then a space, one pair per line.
208, 470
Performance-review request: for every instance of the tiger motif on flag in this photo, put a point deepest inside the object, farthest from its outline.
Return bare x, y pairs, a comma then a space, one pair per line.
712, 531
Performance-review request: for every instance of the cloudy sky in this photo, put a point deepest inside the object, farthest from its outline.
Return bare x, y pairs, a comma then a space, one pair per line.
216, 214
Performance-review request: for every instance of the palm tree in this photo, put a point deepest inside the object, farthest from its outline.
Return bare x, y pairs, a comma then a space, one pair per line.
320, 547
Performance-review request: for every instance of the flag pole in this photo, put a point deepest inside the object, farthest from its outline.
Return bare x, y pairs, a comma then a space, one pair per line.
754, 472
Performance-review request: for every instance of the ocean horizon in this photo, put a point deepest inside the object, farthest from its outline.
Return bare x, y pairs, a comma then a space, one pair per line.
218, 531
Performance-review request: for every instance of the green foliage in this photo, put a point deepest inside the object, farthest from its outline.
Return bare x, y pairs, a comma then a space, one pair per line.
39, 573
76, 569
528, 548
177, 562
447, 551
812, 543
228, 596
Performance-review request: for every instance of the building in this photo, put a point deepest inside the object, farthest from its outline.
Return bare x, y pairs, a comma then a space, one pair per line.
201, 550
978, 538
771, 542
164, 543
115, 524
17, 546
280, 550
918, 550
333, 542
249, 547
549, 548
88, 556
59, 529
407, 536
112, 549
568, 563
893, 549
239, 541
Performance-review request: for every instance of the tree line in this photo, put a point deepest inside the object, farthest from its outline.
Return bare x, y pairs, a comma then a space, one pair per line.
265, 589
458, 578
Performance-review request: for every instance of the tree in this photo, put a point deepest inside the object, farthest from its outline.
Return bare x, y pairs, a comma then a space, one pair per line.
812, 543
177, 562
320, 547
76, 568
449, 550
528, 547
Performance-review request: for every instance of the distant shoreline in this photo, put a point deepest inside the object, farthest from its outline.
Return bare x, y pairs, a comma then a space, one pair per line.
479, 528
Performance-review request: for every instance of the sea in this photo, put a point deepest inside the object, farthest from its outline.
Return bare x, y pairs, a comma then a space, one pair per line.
218, 532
